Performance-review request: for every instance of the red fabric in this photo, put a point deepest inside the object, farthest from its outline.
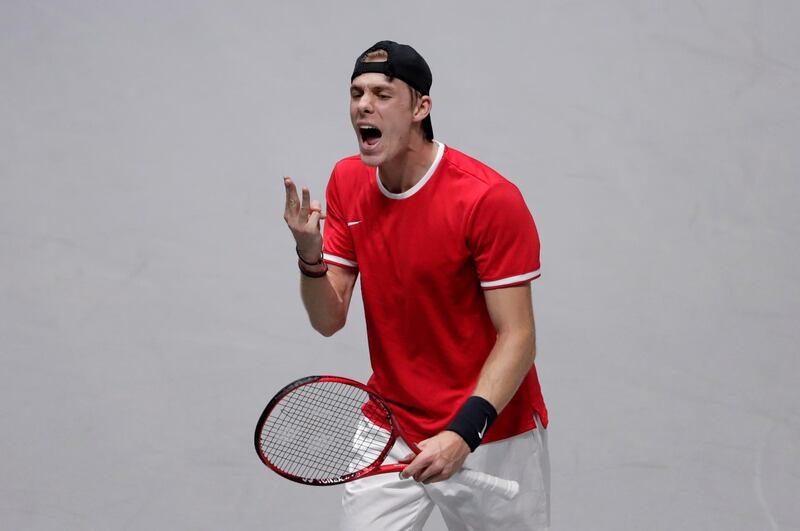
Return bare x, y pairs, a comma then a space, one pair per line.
422, 260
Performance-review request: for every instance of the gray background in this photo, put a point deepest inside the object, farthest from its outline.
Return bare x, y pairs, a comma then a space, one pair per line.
148, 288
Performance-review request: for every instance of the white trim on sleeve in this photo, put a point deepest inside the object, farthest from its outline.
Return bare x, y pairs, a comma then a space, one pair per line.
511, 280
339, 260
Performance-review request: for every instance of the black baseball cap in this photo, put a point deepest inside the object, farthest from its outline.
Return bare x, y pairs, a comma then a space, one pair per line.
404, 63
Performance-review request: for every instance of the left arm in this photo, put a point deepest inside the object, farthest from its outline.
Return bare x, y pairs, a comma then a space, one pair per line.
511, 311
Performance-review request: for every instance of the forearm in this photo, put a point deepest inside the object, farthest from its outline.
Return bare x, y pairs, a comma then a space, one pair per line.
326, 300
502, 373
325, 290
507, 365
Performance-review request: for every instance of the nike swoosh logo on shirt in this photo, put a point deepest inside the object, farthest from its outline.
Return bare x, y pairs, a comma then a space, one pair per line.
351, 223
480, 433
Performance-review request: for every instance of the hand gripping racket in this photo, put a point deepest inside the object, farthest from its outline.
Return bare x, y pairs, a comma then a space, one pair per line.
325, 430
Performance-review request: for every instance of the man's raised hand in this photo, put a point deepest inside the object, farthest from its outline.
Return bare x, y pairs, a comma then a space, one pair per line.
303, 219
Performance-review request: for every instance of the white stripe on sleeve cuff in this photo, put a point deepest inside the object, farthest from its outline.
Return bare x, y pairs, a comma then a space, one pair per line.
511, 280
339, 260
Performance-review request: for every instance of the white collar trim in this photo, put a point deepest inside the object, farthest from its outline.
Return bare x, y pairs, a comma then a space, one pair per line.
417, 187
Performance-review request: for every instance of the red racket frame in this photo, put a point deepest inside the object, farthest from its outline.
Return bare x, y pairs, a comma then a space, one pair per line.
375, 468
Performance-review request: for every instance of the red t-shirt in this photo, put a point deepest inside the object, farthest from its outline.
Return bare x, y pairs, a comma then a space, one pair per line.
425, 256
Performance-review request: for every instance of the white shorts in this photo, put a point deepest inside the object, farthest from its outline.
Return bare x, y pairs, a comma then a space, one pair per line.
387, 503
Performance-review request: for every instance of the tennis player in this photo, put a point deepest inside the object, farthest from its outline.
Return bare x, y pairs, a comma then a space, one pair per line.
446, 250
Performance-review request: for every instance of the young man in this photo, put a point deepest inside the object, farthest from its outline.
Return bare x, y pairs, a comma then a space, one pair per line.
446, 249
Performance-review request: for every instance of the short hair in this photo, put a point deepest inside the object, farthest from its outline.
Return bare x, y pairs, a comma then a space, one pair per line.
375, 56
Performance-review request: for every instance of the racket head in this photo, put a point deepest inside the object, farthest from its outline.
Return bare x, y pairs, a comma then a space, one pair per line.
307, 431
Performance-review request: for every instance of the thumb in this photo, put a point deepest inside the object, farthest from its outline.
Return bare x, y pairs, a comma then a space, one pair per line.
423, 444
314, 217
316, 206
407, 459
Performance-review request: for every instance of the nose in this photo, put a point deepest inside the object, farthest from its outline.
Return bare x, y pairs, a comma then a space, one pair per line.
365, 103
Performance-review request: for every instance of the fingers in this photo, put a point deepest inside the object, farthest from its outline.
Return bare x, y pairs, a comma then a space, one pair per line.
305, 205
407, 459
417, 465
303, 218
316, 214
303, 211
422, 466
431, 474
440, 457
424, 469
291, 198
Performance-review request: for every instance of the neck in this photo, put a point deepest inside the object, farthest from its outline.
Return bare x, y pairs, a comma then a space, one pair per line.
405, 170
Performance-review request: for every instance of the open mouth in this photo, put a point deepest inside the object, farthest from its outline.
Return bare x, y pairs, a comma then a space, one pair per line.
369, 135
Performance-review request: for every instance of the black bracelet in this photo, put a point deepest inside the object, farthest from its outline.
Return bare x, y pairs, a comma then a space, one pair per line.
318, 262
472, 420
312, 274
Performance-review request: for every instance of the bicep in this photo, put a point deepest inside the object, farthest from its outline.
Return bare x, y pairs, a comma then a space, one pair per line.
515, 349
342, 280
511, 309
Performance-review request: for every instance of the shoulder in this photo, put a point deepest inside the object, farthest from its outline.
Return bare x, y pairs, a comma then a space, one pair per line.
351, 165
353, 162
349, 172
475, 178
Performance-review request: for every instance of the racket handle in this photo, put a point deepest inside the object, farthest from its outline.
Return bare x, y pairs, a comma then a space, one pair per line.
506, 488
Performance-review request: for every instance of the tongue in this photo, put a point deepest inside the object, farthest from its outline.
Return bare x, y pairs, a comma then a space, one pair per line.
371, 141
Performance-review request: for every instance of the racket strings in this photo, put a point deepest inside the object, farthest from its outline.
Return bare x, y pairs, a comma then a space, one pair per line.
318, 431
319, 448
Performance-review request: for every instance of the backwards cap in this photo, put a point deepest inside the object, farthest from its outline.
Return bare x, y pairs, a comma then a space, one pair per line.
404, 63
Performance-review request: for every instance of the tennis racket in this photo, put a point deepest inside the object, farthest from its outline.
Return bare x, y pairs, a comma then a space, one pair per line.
326, 430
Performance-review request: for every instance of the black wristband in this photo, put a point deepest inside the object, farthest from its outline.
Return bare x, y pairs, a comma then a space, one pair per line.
300, 256
312, 274
472, 420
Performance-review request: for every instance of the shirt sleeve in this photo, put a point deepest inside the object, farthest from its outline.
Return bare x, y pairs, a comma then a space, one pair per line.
337, 243
502, 237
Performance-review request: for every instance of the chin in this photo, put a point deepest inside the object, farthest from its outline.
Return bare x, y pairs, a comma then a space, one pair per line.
370, 160
372, 157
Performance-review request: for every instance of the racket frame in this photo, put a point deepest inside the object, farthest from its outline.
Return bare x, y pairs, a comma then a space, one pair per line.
374, 468
507, 489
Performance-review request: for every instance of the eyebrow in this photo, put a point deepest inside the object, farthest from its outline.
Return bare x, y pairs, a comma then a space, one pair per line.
375, 87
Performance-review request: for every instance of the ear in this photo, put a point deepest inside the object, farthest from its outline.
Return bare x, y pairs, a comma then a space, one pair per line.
423, 108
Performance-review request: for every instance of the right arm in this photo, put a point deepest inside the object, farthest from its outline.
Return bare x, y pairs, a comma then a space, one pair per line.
326, 298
